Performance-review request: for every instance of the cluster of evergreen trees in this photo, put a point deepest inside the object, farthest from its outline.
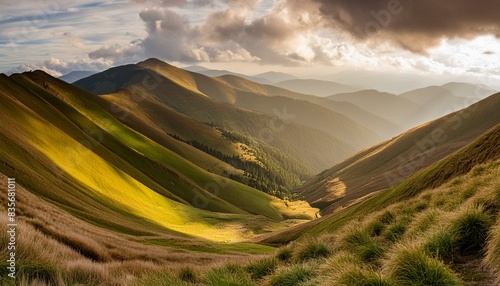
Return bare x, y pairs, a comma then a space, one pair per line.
272, 172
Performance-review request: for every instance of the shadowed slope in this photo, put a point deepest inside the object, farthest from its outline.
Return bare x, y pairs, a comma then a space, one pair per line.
386, 105
390, 162
483, 149
382, 127
316, 87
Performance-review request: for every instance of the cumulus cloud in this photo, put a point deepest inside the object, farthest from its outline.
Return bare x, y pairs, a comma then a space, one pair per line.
283, 35
58, 67
119, 54
415, 25
354, 33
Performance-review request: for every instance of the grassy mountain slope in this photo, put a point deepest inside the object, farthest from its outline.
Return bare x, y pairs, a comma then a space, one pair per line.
382, 127
54, 247
310, 115
436, 101
274, 77
383, 104
390, 162
316, 87
483, 150
192, 95
438, 227
110, 174
216, 73
75, 75
469, 90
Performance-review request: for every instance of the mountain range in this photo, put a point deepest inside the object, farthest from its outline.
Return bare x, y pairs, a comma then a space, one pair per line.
149, 174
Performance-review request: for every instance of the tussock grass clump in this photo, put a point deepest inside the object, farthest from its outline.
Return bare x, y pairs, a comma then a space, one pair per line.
408, 265
42, 274
345, 268
313, 249
387, 217
493, 251
292, 275
361, 243
424, 221
84, 272
161, 279
339, 261
359, 277
228, 275
395, 231
262, 267
188, 274
375, 228
284, 254
471, 229
441, 245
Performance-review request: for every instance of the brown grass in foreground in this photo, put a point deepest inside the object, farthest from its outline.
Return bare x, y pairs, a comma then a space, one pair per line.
440, 236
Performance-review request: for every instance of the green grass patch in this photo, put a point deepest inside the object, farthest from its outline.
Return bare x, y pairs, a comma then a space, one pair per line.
292, 275
361, 243
441, 245
228, 275
313, 249
284, 254
187, 274
262, 267
212, 247
395, 231
471, 230
359, 277
410, 266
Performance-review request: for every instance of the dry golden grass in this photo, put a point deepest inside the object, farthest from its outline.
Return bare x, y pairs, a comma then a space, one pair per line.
360, 251
68, 250
492, 258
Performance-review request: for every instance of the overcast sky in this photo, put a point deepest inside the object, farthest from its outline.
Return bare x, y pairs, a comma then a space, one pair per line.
444, 37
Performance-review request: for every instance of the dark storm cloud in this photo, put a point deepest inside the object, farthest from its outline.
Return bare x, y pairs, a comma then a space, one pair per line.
414, 24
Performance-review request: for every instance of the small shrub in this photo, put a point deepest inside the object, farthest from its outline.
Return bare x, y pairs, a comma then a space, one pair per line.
262, 267
291, 275
410, 266
313, 250
284, 254
441, 245
228, 275
187, 274
471, 230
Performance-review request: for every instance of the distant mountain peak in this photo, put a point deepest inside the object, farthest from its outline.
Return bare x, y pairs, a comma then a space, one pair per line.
276, 77
153, 61
75, 76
